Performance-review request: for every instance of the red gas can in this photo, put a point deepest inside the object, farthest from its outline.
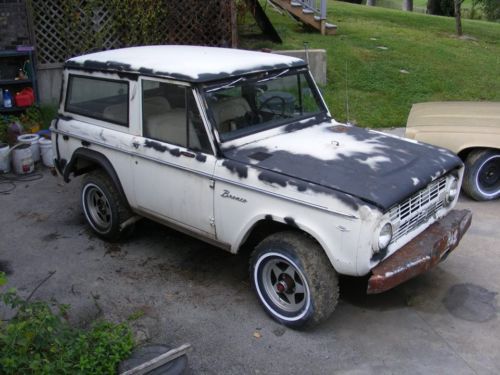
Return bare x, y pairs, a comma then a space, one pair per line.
25, 97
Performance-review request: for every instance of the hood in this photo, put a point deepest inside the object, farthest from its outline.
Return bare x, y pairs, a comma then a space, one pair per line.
377, 168
455, 114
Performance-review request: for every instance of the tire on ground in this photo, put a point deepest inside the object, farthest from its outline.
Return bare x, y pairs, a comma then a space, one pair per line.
298, 263
103, 206
482, 175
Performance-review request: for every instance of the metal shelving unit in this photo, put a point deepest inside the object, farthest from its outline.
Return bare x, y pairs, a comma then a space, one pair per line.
10, 62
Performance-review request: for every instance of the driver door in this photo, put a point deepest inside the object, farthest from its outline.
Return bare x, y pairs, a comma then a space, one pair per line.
175, 160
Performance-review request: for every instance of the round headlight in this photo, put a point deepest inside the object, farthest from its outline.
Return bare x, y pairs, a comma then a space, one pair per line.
385, 236
452, 190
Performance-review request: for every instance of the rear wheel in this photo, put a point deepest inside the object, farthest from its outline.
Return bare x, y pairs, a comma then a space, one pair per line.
482, 175
294, 279
103, 206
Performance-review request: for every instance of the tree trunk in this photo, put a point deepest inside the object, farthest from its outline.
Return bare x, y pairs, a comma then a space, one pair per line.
408, 5
441, 7
458, 17
370, 3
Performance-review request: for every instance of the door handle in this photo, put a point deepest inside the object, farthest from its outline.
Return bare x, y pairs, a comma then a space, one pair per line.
187, 154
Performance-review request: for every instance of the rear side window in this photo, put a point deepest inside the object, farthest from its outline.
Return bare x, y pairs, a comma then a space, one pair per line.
102, 99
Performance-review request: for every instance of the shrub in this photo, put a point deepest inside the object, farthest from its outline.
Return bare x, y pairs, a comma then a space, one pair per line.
39, 340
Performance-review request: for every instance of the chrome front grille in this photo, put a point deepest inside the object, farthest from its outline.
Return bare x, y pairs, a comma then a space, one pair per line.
417, 209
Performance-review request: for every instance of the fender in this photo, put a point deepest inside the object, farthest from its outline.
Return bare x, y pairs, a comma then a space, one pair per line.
96, 158
286, 222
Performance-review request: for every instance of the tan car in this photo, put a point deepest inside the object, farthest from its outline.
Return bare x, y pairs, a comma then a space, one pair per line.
469, 129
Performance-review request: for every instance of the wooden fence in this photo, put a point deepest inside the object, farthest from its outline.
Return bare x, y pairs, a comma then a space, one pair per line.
66, 28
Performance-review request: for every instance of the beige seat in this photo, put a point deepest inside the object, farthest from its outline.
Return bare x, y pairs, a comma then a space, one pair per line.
156, 105
116, 112
227, 110
170, 127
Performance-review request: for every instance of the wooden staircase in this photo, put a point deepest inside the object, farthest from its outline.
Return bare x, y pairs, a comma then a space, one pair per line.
309, 12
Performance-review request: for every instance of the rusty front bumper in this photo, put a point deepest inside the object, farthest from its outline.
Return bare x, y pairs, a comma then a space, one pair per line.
422, 253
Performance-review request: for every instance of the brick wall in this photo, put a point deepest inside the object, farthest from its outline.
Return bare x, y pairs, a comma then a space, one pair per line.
13, 24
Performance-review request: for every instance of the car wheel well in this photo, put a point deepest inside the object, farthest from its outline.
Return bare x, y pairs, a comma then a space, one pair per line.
462, 154
264, 228
84, 161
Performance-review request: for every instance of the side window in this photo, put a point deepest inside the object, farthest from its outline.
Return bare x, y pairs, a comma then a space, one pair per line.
170, 114
102, 99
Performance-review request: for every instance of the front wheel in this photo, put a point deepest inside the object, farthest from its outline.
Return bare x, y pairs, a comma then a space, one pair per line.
294, 279
103, 207
482, 175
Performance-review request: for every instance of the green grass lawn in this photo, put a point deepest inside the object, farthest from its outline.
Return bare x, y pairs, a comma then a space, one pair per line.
418, 5
440, 66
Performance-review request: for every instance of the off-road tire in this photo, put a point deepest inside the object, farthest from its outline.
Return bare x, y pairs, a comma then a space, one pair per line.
304, 254
482, 175
98, 187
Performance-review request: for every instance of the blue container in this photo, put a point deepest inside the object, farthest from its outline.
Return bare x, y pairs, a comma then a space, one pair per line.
7, 99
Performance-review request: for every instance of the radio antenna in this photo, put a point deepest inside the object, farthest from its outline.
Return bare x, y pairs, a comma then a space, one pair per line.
306, 50
347, 95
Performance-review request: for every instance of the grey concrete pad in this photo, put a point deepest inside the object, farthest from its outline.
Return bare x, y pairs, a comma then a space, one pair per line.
445, 321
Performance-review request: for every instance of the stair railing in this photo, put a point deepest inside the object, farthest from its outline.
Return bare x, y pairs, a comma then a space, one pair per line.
317, 6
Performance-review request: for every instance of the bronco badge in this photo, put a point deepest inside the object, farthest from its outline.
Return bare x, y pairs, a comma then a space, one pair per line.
227, 194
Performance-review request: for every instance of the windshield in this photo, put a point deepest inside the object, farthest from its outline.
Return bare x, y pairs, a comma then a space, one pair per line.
247, 105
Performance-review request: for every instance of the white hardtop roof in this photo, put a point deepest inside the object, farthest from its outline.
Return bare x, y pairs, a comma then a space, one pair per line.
190, 63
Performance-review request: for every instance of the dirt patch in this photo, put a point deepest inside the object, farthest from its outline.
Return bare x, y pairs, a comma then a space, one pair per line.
35, 216
51, 237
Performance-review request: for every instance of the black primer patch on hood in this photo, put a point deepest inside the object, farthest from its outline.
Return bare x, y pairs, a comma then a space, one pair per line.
235, 167
283, 180
260, 156
406, 167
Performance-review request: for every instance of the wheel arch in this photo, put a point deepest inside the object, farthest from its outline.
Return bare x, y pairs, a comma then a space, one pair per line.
84, 161
463, 153
264, 225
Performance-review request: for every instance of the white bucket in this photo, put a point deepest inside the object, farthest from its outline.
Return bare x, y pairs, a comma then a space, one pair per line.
46, 152
32, 140
4, 158
22, 159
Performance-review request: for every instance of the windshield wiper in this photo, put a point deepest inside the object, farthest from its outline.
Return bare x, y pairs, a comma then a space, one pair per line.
274, 77
226, 86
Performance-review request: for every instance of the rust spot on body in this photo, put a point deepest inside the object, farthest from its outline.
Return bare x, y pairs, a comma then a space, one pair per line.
422, 253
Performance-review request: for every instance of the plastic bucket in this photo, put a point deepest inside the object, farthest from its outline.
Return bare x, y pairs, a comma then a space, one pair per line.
22, 159
46, 152
4, 158
32, 141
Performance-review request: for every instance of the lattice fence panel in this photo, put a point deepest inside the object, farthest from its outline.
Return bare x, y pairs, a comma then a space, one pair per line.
65, 28
208, 24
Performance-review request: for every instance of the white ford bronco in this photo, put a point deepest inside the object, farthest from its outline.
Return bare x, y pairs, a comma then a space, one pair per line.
238, 148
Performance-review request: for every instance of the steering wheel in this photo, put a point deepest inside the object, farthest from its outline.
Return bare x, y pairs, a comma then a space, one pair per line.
267, 102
